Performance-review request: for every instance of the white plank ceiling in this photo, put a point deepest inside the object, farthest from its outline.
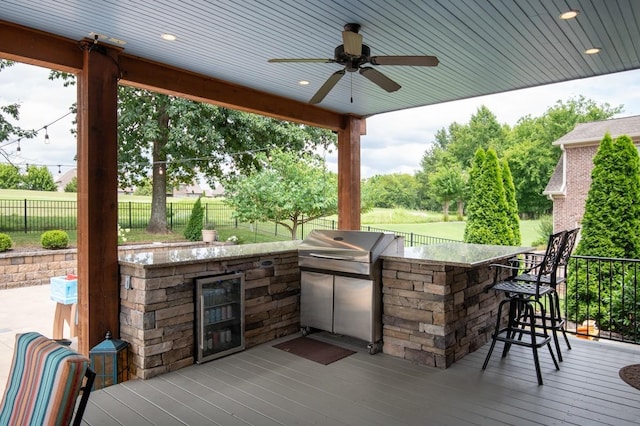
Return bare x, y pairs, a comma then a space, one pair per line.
484, 46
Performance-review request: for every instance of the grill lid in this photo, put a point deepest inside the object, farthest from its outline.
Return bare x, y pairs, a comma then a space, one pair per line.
351, 246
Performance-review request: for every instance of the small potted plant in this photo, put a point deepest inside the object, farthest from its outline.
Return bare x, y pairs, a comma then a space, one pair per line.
209, 233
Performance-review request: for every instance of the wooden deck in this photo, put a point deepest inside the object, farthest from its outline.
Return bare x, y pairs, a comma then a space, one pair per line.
267, 386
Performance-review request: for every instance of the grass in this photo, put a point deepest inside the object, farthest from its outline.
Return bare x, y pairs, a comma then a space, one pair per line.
401, 220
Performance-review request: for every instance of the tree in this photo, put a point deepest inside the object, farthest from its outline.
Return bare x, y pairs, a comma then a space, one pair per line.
9, 177
483, 131
393, 190
532, 155
512, 205
38, 179
289, 189
487, 221
610, 228
72, 186
449, 184
176, 140
193, 230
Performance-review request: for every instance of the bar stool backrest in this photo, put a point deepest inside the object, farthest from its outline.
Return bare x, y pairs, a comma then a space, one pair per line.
553, 255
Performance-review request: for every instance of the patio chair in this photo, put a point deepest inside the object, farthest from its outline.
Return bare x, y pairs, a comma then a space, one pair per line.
557, 321
523, 299
44, 383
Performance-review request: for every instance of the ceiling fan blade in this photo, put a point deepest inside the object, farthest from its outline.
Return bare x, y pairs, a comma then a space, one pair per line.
352, 43
380, 79
326, 87
303, 60
417, 61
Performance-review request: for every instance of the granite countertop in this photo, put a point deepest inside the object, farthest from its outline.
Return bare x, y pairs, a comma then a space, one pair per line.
459, 254
198, 255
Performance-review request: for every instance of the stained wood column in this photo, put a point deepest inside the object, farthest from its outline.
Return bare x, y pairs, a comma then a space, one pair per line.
349, 173
98, 287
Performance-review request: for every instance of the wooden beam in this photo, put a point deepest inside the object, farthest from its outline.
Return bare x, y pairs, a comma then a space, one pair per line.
349, 174
163, 78
98, 283
33, 47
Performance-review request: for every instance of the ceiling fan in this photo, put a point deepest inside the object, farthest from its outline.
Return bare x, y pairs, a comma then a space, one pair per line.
354, 55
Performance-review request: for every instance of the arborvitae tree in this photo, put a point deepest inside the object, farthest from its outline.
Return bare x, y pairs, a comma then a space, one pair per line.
512, 205
193, 231
487, 220
610, 228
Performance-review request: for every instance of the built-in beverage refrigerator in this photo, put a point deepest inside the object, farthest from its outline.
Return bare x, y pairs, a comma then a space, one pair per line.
219, 316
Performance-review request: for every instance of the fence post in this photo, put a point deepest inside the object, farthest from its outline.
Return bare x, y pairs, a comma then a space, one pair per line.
171, 216
130, 218
25, 215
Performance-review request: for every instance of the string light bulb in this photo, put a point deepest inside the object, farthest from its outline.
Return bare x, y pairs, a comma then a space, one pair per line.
46, 135
59, 169
18, 148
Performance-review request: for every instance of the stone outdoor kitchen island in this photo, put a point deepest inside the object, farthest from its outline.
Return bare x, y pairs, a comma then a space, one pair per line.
434, 308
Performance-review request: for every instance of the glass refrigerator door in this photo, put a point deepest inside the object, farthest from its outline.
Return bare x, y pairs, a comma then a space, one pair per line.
220, 315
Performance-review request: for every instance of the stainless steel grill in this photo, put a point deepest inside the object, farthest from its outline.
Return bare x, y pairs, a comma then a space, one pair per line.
341, 288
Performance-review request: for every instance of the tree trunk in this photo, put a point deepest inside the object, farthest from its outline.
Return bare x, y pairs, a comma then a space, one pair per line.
158, 220
460, 210
445, 210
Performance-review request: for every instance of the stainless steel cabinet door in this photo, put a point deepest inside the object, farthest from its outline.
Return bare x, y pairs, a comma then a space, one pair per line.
353, 301
316, 300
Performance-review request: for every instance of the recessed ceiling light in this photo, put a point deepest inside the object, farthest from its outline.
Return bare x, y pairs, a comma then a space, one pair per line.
303, 82
592, 51
169, 37
570, 14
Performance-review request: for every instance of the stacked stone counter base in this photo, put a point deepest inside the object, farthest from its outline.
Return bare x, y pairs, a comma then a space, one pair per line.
436, 312
157, 313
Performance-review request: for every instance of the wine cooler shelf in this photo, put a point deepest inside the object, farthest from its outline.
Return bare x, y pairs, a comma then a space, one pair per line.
219, 315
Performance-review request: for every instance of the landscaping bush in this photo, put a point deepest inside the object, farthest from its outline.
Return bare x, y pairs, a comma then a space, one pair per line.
193, 231
5, 242
54, 240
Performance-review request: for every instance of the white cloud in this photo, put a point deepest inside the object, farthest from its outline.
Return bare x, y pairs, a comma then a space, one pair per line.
395, 142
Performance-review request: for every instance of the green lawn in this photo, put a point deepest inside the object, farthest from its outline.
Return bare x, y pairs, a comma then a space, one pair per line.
402, 220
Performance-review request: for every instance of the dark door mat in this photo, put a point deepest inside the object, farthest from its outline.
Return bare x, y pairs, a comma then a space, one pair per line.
314, 350
631, 375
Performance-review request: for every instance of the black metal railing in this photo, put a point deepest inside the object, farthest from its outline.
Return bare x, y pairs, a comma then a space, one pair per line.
600, 298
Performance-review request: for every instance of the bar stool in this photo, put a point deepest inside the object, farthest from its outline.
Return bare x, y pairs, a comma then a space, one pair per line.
523, 298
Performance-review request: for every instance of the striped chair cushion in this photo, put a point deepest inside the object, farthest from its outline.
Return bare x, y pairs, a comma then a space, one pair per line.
44, 382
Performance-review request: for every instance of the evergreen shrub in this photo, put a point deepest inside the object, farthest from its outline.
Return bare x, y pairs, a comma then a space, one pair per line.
53, 240
5, 242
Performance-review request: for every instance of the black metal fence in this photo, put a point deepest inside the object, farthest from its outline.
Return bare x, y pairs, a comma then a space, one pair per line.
601, 298
39, 216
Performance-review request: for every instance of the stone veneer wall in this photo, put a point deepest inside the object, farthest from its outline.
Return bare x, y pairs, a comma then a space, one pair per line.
157, 315
435, 314
30, 268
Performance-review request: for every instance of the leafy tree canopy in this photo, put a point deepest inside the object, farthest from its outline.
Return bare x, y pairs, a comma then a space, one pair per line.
285, 187
38, 179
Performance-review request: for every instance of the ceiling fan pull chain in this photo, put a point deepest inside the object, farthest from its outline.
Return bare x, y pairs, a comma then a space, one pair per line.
351, 81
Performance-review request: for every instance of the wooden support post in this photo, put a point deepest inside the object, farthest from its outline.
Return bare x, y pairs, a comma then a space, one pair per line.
349, 173
98, 286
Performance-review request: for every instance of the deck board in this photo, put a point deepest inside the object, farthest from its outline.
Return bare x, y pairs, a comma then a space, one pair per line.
266, 386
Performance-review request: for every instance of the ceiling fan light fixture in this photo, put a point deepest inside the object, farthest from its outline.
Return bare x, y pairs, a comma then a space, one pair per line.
592, 50
303, 82
569, 14
168, 37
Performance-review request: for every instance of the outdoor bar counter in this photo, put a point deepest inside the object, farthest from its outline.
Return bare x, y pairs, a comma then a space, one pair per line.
434, 307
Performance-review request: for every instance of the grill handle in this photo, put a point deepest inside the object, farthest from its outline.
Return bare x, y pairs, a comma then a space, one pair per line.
326, 256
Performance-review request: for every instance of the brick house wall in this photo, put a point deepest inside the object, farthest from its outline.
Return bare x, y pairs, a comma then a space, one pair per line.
569, 184
568, 209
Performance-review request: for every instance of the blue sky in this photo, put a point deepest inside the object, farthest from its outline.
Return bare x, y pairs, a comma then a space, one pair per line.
395, 142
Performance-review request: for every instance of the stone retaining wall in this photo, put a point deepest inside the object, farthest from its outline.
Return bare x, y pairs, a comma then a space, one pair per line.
36, 267
157, 314
435, 314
